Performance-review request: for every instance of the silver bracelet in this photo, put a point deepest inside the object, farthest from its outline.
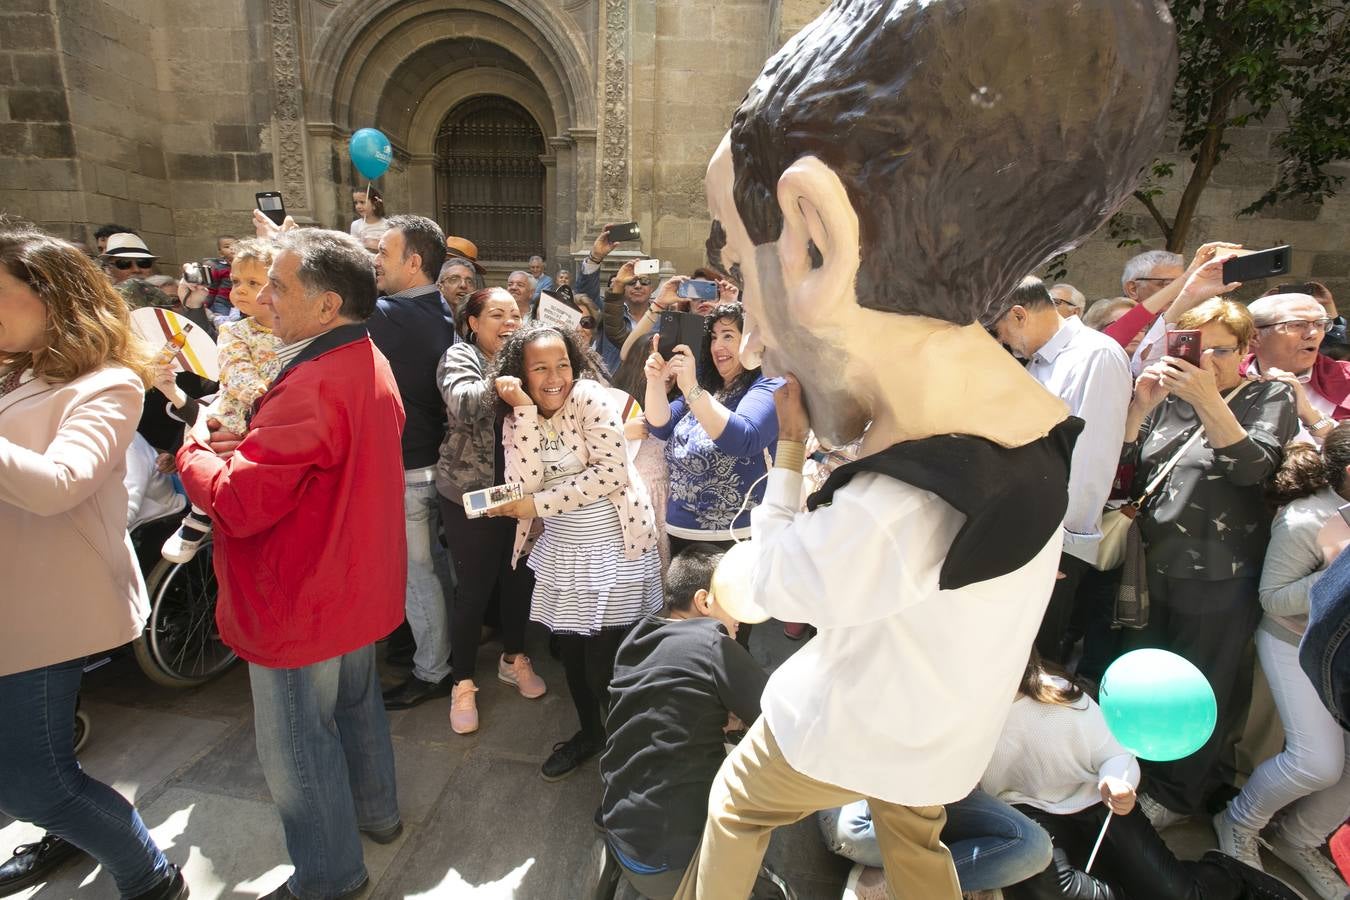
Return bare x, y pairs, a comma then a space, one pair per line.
697, 392
1324, 422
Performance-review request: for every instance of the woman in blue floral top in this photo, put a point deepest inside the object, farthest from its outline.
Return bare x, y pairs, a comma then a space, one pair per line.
718, 433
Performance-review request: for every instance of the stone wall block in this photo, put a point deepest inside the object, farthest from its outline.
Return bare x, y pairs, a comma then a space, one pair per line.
110, 181
1236, 173
201, 166
43, 174
1331, 265
1290, 210
7, 76
254, 166
38, 106
235, 138
38, 70
14, 140
51, 140
151, 161
26, 32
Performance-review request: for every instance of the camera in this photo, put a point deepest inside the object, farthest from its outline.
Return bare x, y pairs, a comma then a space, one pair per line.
204, 272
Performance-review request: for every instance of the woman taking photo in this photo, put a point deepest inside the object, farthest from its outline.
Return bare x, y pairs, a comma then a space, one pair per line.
717, 434
1309, 781
1206, 525
596, 567
481, 548
72, 381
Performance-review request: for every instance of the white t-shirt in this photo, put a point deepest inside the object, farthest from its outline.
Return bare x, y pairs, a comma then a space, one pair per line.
903, 692
369, 231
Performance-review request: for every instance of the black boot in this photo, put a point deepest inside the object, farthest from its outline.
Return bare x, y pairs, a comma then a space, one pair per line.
1259, 885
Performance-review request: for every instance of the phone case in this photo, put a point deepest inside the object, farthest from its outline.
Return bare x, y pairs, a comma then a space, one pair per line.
1263, 264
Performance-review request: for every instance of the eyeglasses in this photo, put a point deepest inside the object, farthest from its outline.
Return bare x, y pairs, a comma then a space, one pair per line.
1222, 351
1306, 287
1301, 326
125, 264
1163, 280
641, 282
1062, 303
587, 322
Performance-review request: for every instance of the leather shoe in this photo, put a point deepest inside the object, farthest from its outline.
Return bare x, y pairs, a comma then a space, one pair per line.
171, 887
32, 863
414, 691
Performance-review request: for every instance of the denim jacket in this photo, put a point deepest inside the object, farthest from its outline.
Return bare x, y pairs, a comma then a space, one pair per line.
1325, 650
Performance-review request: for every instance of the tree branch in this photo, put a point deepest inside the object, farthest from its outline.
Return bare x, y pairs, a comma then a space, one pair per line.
1156, 213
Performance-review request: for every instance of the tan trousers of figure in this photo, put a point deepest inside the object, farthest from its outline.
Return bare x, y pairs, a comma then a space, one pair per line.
757, 790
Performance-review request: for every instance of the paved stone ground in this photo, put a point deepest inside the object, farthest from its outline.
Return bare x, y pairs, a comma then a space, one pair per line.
479, 822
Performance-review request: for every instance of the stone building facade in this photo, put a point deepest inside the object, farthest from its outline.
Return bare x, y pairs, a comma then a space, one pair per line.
522, 124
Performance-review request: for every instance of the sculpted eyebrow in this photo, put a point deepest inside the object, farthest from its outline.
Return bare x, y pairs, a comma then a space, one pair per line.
717, 240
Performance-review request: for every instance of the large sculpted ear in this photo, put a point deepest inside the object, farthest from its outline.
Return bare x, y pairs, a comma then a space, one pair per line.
818, 248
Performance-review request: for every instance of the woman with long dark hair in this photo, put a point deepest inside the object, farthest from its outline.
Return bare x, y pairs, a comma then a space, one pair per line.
718, 433
481, 548
597, 570
72, 381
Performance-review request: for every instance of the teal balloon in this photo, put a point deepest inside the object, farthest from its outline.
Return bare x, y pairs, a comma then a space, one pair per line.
371, 152
1158, 705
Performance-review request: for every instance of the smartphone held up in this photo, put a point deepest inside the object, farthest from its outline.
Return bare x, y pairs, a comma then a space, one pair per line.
1184, 343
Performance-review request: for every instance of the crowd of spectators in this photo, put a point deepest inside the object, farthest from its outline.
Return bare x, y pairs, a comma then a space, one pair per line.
372, 377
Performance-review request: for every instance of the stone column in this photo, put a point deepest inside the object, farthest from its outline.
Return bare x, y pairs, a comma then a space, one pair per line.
615, 161
422, 185
288, 124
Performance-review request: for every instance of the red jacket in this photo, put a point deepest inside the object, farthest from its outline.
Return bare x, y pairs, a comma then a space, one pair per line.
310, 550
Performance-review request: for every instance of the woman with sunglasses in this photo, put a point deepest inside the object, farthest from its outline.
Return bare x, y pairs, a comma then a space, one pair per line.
1206, 525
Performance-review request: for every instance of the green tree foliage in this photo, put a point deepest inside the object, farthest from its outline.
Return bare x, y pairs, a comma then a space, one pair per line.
1239, 61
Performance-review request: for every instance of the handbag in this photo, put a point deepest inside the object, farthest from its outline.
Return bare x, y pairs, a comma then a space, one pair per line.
1132, 606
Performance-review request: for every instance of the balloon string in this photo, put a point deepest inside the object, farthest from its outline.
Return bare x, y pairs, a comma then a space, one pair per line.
1100, 837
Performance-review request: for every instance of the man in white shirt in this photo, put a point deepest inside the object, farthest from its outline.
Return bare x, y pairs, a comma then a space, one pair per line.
1089, 372
866, 264
1069, 300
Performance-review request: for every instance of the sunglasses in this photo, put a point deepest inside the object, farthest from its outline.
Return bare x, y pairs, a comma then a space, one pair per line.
1304, 288
587, 322
643, 282
125, 264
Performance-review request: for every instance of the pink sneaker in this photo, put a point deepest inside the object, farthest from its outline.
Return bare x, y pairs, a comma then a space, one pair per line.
464, 708
520, 673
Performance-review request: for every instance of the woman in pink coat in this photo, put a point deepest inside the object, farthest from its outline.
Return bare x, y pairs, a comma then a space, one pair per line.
72, 379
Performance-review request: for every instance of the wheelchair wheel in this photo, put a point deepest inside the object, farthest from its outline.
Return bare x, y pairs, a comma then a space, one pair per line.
82, 729
181, 646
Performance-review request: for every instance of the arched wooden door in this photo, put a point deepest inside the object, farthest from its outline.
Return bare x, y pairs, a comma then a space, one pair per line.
489, 180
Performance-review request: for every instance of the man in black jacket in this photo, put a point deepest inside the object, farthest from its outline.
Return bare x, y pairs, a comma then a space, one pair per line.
411, 328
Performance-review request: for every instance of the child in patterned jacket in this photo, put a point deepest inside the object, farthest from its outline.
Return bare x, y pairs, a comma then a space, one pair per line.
248, 365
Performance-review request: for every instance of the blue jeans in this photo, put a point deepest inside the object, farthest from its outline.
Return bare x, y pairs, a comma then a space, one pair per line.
323, 741
429, 579
41, 782
992, 844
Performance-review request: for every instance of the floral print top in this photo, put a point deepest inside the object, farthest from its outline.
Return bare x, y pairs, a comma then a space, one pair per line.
1209, 519
248, 366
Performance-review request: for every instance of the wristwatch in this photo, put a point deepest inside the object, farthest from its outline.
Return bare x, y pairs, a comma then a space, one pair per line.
1324, 422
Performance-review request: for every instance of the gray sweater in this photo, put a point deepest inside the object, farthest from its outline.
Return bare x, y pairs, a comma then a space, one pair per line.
1294, 563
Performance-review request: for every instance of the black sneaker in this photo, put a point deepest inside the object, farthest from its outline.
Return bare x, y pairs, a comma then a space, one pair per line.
32, 863
769, 886
569, 754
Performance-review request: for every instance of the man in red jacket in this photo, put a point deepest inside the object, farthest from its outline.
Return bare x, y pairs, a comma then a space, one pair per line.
310, 556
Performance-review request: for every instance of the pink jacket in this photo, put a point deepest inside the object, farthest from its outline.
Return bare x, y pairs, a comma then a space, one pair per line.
70, 584
589, 423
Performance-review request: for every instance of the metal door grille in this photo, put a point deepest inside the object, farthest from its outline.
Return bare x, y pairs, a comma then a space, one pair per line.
489, 180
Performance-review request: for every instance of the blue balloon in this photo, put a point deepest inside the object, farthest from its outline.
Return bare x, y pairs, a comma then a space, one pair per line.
371, 152
1158, 705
